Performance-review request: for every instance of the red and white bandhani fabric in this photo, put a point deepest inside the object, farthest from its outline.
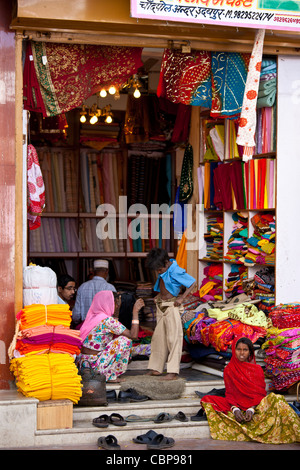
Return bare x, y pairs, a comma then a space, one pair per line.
247, 122
35, 189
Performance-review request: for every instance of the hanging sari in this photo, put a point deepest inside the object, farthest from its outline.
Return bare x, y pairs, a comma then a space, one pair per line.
59, 77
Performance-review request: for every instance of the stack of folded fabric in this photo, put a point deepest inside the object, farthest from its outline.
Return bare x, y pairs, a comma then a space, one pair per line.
43, 351
47, 338
264, 288
237, 243
261, 245
144, 290
234, 282
47, 377
38, 314
268, 83
214, 237
212, 285
282, 361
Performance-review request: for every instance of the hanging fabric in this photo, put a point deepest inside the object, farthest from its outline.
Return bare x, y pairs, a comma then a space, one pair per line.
186, 178
229, 74
247, 123
215, 80
67, 74
36, 189
186, 78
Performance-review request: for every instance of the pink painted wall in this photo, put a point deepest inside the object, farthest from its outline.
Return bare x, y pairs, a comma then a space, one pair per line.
7, 190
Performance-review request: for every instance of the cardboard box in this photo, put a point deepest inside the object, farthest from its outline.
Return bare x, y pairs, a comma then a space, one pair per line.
55, 414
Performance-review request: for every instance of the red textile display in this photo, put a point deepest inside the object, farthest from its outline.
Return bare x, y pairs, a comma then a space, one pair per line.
244, 385
64, 75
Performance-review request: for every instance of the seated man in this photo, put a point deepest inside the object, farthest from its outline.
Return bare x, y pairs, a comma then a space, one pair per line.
89, 289
65, 289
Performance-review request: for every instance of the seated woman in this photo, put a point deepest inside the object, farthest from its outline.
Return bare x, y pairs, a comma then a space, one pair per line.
106, 342
246, 412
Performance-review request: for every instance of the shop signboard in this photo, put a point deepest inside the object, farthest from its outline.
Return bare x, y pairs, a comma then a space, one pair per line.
259, 14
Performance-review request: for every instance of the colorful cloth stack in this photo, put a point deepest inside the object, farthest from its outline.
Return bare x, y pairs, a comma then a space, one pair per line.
261, 245
214, 237
46, 338
43, 351
212, 285
234, 282
237, 243
283, 356
264, 287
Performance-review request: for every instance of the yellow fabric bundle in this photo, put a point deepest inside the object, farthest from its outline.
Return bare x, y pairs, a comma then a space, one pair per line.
47, 377
37, 314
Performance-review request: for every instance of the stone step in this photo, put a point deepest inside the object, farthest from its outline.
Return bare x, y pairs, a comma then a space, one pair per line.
146, 409
83, 432
190, 388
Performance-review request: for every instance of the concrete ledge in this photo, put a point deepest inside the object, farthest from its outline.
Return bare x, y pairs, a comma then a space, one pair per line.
18, 419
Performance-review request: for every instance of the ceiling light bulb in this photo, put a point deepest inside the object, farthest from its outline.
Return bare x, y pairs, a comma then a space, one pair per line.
136, 93
108, 119
93, 119
103, 93
112, 90
82, 118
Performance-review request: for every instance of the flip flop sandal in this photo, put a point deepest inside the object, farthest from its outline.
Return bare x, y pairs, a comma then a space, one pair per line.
161, 442
181, 417
101, 422
145, 438
163, 417
117, 420
109, 442
136, 419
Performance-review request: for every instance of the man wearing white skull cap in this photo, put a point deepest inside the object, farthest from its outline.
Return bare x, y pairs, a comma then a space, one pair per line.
88, 289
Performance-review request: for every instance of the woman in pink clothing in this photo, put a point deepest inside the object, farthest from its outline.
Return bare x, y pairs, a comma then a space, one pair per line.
106, 341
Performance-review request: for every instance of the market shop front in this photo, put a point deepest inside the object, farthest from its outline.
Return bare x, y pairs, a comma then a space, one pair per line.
87, 23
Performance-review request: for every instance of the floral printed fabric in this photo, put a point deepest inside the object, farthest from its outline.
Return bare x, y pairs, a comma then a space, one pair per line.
247, 122
36, 189
274, 422
114, 352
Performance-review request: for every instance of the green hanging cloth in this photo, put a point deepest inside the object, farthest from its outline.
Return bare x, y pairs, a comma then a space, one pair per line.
186, 177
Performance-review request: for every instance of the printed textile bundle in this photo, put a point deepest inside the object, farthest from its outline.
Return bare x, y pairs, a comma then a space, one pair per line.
220, 334
286, 315
282, 357
47, 377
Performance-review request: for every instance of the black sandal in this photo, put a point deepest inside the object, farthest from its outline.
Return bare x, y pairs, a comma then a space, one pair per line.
109, 442
181, 417
101, 422
161, 442
117, 420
